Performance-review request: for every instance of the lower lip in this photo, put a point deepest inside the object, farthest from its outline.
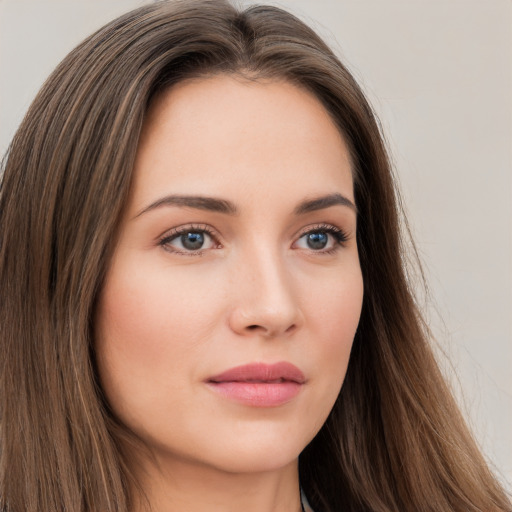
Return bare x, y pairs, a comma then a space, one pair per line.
258, 394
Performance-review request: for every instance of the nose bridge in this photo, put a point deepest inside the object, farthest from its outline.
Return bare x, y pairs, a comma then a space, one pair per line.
266, 300
271, 275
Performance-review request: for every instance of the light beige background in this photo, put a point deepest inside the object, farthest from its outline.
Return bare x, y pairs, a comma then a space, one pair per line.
439, 74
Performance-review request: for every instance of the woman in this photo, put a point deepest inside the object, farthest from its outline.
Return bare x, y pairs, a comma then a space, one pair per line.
199, 227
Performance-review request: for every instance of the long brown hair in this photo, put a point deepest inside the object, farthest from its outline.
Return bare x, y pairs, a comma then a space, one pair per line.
394, 439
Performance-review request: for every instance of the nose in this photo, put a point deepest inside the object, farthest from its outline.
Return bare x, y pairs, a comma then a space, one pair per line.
266, 300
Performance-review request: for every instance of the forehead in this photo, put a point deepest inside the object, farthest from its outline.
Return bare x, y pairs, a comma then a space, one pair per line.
228, 132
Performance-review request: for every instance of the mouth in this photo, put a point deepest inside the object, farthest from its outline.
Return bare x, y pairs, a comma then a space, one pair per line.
259, 384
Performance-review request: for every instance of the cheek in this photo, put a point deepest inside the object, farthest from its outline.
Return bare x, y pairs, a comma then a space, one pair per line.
335, 307
340, 314
143, 308
148, 332
130, 325
334, 324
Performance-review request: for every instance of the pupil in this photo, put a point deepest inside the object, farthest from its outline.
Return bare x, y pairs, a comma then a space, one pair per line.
192, 240
317, 240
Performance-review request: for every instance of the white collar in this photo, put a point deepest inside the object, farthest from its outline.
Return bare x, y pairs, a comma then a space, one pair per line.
305, 503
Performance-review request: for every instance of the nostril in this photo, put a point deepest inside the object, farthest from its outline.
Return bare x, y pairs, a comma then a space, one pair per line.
256, 328
291, 328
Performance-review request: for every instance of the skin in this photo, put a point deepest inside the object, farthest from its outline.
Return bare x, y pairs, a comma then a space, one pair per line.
256, 291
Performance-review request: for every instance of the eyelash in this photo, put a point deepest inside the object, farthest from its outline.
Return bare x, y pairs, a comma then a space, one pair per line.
340, 237
192, 228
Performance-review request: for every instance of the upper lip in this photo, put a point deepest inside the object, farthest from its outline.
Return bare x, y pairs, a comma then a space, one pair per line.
261, 372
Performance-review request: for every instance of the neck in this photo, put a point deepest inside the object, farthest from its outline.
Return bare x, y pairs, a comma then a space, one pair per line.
182, 485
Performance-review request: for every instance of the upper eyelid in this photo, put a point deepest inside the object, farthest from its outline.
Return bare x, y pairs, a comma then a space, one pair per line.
319, 227
173, 232
322, 226
212, 231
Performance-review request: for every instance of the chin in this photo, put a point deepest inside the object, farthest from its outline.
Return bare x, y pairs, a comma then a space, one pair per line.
236, 454
261, 460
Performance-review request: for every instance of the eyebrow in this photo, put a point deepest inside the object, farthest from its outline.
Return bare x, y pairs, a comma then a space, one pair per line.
227, 207
198, 202
323, 202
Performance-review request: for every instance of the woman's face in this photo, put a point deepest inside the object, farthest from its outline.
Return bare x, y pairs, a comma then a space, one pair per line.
225, 324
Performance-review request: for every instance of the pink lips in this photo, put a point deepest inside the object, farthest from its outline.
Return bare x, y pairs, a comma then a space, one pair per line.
259, 384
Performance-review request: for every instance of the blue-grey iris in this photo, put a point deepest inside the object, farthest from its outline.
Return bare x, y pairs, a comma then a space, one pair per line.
193, 240
317, 240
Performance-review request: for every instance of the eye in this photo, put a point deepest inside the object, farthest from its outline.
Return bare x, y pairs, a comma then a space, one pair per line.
189, 240
321, 239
